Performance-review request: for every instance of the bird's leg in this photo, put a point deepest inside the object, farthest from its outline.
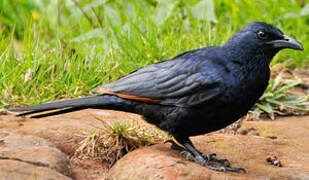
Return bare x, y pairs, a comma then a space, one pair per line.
198, 158
182, 150
189, 155
194, 155
212, 157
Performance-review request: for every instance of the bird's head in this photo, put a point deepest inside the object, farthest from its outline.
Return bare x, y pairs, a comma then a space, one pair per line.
262, 38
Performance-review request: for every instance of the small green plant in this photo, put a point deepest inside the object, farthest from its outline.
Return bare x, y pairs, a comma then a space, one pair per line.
277, 99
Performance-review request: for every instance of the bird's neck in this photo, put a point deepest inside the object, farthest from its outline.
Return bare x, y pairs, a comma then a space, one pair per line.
247, 56
250, 65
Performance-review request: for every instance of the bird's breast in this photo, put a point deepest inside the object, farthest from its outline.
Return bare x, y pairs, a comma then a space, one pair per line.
243, 91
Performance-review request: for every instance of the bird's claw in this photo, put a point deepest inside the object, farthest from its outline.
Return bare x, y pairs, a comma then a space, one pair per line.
221, 167
206, 159
238, 170
187, 155
211, 157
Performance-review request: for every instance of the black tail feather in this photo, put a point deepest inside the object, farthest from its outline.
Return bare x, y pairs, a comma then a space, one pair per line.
63, 111
70, 104
29, 112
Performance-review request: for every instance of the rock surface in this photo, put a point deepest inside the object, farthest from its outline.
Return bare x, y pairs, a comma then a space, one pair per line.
15, 170
286, 139
31, 157
62, 128
65, 132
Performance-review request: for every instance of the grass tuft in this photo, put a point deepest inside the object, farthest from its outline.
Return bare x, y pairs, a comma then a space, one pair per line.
112, 140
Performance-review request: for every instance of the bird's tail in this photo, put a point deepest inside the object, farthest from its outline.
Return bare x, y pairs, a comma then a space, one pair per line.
70, 105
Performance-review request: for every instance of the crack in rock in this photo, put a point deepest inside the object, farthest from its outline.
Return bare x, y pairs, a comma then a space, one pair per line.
28, 162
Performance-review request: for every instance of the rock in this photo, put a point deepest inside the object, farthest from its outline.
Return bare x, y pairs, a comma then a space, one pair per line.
34, 151
242, 131
65, 132
14, 170
62, 128
85, 169
286, 138
24, 141
159, 162
253, 132
250, 152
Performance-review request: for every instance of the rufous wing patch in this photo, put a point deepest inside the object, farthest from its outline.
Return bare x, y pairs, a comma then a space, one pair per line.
127, 96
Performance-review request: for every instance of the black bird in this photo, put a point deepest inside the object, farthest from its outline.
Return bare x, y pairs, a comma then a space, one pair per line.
194, 93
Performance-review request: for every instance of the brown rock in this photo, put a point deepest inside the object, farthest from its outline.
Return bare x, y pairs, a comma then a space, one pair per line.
250, 152
287, 139
24, 141
62, 128
35, 151
159, 162
65, 131
85, 169
15, 170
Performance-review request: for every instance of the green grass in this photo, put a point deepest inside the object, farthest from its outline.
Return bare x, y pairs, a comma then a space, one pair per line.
63, 54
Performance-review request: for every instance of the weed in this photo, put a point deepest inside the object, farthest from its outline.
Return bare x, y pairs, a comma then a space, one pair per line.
277, 99
111, 141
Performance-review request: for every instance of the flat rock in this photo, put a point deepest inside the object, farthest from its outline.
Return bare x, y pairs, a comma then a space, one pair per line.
64, 127
65, 131
288, 139
33, 151
89, 169
15, 170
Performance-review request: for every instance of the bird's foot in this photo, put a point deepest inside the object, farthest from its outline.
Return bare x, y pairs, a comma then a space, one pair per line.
206, 159
188, 155
216, 167
211, 157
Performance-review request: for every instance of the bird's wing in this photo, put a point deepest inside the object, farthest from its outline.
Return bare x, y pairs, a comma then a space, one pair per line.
181, 81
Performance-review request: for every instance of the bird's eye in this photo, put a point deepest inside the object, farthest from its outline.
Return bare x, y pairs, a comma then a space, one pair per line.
262, 34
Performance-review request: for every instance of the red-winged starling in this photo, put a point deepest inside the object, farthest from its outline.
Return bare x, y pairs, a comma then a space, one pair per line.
194, 93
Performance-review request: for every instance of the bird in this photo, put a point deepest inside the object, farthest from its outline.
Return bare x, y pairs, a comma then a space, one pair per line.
193, 93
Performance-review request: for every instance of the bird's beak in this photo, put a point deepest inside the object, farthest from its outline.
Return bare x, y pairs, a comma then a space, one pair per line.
286, 42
